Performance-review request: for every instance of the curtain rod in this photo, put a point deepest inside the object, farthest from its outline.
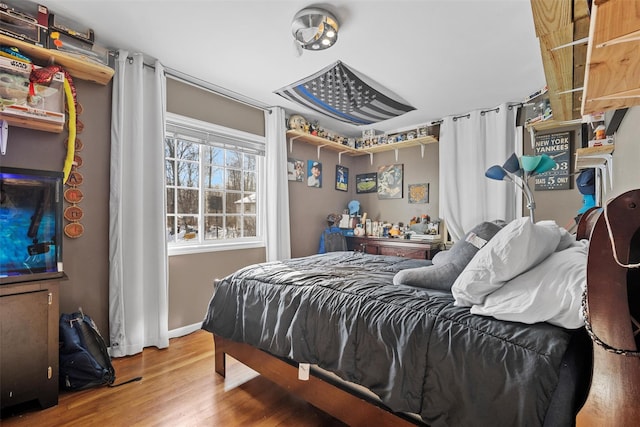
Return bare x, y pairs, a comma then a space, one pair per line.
218, 90
235, 96
510, 106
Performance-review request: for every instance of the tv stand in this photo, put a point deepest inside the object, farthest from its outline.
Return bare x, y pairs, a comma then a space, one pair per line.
29, 319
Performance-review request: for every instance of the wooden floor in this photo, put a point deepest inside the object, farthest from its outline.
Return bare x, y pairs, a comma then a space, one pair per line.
179, 388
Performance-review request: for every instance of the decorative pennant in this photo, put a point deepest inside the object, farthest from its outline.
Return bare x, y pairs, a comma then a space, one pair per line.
344, 94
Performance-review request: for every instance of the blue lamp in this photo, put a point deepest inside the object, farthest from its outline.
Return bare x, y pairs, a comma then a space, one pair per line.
519, 170
496, 172
513, 165
546, 164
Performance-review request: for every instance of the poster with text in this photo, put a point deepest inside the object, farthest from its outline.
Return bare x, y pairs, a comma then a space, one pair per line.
558, 147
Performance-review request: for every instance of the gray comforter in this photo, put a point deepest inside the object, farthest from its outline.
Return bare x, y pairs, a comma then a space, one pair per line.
410, 346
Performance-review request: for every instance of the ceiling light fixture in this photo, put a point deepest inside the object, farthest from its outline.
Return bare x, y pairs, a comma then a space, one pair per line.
314, 29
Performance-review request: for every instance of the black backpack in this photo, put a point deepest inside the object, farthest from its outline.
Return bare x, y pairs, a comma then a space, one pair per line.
84, 359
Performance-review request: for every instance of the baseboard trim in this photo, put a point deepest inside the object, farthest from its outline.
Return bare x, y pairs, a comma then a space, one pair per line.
185, 330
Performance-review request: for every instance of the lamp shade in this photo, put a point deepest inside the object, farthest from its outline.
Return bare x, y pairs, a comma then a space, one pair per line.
546, 164
529, 163
512, 164
496, 172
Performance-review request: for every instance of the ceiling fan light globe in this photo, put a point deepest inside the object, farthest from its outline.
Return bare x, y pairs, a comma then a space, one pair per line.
315, 28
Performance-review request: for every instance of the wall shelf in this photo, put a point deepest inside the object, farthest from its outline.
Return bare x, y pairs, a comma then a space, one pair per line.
294, 135
601, 159
552, 124
77, 67
422, 141
612, 66
24, 122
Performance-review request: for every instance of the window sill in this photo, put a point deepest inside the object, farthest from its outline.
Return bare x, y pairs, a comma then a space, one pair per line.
215, 247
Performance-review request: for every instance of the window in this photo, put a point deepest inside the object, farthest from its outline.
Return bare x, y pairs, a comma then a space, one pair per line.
212, 181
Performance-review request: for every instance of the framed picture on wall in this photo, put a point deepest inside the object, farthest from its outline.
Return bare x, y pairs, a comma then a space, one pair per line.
367, 183
342, 178
314, 174
418, 193
295, 170
390, 181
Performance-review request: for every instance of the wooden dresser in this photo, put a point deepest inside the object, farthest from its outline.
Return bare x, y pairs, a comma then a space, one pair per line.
393, 246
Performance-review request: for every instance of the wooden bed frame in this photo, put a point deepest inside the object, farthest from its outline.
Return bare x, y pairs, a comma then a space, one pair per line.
326, 395
614, 394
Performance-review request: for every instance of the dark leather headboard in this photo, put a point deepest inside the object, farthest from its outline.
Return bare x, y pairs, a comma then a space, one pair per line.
587, 222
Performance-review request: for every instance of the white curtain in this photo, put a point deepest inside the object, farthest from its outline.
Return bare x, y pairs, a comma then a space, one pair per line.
138, 290
277, 187
468, 146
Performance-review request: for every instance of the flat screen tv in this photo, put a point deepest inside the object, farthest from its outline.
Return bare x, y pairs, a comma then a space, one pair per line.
31, 204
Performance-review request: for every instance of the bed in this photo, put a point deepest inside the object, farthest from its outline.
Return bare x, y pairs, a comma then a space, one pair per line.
398, 353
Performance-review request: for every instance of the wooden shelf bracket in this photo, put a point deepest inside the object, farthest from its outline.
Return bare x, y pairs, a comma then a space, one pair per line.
4, 135
293, 138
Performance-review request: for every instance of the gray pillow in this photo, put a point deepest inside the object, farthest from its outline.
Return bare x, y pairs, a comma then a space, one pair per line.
447, 265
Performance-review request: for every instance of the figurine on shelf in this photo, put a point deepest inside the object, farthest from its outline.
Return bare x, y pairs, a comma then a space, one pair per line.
297, 122
395, 230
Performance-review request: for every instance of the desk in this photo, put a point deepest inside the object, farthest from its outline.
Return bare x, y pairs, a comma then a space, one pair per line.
393, 246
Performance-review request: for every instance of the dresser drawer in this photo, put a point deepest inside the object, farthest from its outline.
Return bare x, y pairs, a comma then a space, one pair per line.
404, 252
393, 247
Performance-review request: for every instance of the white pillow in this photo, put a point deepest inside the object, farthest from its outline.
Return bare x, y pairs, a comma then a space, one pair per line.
566, 239
517, 247
550, 292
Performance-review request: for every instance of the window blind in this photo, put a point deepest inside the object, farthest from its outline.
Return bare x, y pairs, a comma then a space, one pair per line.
214, 137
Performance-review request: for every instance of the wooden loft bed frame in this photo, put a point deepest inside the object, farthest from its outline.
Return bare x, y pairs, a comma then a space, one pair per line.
613, 398
613, 300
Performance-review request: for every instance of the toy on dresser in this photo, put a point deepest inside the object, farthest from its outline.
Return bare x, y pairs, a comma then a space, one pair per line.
423, 228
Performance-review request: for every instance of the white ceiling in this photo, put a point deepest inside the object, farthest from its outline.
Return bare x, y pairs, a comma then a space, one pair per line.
445, 57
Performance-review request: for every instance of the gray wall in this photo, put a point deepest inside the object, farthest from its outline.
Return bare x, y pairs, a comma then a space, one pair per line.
191, 276
191, 101
562, 205
310, 206
626, 157
191, 281
86, 259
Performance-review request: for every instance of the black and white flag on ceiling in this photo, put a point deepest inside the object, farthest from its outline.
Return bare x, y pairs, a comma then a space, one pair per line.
344, 94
